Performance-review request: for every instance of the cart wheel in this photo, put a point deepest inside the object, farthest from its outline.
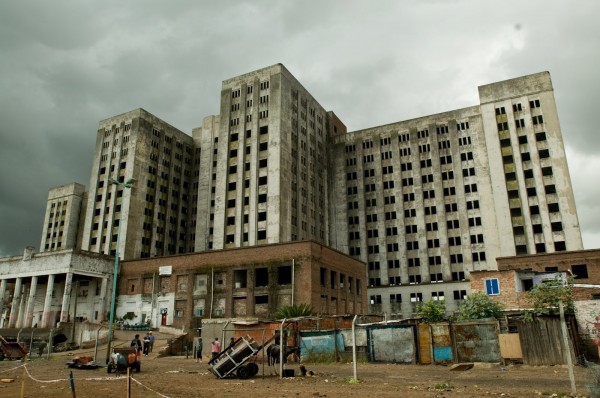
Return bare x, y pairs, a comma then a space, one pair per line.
243, 372
253, 368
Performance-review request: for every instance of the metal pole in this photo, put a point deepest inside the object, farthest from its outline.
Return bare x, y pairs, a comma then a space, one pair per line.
127, 184
223, 335
114, 292
563, 326
354, 346
31, 342
96, 346
281, 348
50, 343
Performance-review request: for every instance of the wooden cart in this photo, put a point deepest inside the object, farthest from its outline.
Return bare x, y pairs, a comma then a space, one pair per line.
239, 359
11, 349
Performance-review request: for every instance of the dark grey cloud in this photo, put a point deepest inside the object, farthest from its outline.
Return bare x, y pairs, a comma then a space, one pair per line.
67, 65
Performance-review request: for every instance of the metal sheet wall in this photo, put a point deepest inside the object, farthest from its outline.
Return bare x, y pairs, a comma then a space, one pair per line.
425, 348
477, 341
442, 343
393, 343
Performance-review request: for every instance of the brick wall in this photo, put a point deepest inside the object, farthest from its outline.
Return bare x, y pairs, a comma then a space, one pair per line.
307, 258
572, 263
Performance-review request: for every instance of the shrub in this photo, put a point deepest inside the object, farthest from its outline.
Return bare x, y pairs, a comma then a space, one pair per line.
432, 311
294, 311
479, 306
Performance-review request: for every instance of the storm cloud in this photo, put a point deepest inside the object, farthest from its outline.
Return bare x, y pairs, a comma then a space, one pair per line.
64, 66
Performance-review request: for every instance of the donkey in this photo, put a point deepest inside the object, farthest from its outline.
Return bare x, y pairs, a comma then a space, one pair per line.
274, 351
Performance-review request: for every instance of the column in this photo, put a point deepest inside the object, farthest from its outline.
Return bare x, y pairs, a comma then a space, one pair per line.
64, 310
47, 321
102, 306
12, 322
31, 303
3, 284
21, 317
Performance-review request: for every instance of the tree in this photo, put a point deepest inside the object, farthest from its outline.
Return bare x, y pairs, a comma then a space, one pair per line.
479, 306
294, 311
545, 297
432, 311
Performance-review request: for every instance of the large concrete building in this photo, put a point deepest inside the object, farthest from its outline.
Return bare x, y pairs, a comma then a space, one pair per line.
432, 199
422, 202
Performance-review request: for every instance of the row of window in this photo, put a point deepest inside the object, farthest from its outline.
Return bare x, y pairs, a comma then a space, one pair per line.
396, 298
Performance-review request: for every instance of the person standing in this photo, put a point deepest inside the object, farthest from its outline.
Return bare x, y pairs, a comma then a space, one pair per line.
146, 342
215, 348
151, 336
199, 349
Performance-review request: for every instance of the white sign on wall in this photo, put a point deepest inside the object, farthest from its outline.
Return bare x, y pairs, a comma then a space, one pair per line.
165, 270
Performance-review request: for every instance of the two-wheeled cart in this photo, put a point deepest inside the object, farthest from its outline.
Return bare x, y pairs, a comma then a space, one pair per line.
239, 359
12, 349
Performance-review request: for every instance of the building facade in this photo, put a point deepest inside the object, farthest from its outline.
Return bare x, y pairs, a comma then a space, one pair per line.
423, 202
517, 275
155, 213
43, 289
264, 166
432, 199
250, 282
61, 223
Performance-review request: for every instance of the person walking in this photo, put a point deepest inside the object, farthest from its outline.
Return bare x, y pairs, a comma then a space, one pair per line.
137, 344
199, 349
215, 348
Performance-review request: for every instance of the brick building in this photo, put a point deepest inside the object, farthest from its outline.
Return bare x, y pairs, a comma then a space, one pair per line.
250, 282
517, 275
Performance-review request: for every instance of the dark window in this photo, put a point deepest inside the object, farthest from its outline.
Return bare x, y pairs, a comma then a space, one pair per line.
261, 277
527, 284
547, 171
540, 248
284, 275
556, 226
579, 271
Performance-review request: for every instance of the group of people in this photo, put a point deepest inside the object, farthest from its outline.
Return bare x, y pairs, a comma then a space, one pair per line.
215, 347
146, 347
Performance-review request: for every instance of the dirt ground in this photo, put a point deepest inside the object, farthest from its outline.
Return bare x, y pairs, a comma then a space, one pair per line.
183, 377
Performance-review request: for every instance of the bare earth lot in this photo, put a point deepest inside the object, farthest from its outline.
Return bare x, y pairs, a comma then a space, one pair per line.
181, 377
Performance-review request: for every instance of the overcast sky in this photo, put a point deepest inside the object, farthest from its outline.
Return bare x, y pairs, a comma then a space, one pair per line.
66, 65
